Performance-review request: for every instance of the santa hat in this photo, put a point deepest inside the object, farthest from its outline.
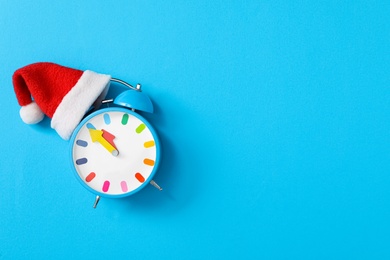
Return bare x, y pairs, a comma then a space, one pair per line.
63, 94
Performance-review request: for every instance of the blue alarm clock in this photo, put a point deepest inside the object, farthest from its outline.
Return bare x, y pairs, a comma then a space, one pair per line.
114, 151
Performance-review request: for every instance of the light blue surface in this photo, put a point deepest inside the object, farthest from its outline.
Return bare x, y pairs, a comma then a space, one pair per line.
273, 117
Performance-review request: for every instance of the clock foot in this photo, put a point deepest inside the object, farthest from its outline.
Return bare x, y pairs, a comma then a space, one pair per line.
96, 201
155, 185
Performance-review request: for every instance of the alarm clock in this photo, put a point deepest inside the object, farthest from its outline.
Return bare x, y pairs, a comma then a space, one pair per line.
114, 151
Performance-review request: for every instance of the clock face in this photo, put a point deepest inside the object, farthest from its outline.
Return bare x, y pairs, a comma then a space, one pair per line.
115, 152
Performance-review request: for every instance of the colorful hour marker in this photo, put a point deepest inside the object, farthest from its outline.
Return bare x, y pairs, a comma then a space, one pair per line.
124, 186
125, 118
107, 119
90, 177
148, 162
90, 126
81, 161
149, 144
106, 186
140, 128
139, 177
81, 143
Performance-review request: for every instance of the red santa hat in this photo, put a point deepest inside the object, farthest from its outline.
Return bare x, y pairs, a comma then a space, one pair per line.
63, 94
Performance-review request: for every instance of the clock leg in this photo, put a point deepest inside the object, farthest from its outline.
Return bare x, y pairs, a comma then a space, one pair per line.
155, 185
96, 201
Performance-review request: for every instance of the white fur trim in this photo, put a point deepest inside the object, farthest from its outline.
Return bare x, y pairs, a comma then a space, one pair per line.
90, 87
31, 113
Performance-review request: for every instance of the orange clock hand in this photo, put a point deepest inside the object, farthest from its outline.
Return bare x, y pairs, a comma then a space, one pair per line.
99, 136
109, 137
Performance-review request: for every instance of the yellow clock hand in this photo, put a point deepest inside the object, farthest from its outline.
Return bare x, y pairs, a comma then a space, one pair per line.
97, 136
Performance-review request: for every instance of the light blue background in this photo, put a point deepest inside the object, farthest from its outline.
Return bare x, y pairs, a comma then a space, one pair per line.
273, 117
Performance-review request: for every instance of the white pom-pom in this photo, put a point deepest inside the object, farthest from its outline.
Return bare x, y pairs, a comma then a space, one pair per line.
31, 113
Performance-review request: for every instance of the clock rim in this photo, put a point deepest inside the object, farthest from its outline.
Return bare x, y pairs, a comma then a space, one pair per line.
115, 109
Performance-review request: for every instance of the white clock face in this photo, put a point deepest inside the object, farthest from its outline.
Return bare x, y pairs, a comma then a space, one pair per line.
115, 152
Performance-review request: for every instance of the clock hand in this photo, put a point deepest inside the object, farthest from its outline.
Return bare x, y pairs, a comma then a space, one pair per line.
105, 139
109, 137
